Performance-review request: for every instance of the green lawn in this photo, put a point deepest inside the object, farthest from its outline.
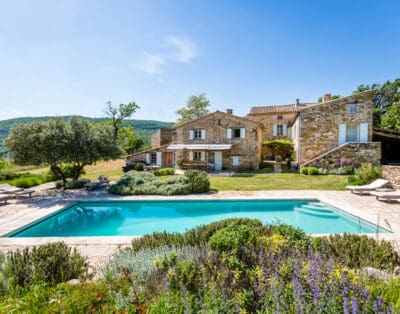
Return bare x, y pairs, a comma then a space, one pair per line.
281, 181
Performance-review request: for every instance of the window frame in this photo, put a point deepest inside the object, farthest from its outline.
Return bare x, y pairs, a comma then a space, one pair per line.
151, 158
279, 117
238, 159
197, 134
279, 130
197, 155
352, 108
235, 131
352, 133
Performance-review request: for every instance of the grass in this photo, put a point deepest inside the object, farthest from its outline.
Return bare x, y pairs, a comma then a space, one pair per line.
281, 181
257, 181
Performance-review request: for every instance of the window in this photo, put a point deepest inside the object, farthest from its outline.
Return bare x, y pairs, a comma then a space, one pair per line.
352, 133
279, 117
235, 133
351, 108
235, 160
153, 158
279, 130
197, 156
197, 134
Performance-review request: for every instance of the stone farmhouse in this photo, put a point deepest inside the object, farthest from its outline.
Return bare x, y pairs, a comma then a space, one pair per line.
326, 134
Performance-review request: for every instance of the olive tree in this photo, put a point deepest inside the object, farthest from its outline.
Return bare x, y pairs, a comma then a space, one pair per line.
118, 113
55, 142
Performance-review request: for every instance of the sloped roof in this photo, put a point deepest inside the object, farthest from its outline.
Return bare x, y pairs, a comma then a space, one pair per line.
278, 108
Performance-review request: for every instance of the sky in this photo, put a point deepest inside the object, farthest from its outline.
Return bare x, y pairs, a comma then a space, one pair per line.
72, 56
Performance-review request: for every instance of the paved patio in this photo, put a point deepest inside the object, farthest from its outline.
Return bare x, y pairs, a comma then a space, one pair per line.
47, 200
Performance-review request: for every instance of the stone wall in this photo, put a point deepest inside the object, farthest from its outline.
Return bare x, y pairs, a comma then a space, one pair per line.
215, 126
161, 137
268, 120
319, 124
352, 153
392, 173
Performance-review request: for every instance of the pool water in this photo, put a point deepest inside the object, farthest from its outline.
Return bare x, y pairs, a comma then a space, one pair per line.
120, 218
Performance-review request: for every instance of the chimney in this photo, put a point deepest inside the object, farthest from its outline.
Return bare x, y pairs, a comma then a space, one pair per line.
297, 102
229, 111
327, 97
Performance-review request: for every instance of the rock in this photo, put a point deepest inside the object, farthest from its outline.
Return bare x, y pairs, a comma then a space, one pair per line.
73, 281
375, 273
396, 271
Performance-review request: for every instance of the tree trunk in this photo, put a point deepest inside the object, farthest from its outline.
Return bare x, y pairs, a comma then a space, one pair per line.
59, 173
77, 171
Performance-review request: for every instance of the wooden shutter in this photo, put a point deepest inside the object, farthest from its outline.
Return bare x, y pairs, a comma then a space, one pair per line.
275, 130
191, 134
158, 159
203, 134
148, 158
284, 129
229, 133
190, 155
202, 156
342, 134
363, 128
242, 132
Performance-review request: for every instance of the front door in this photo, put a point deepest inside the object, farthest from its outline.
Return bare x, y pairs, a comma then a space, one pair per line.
218, 161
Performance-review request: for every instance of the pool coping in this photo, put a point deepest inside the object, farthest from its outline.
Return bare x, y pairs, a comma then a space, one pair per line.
99, 248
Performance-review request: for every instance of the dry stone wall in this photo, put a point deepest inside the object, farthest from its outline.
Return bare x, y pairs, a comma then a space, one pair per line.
354, 154
392, 173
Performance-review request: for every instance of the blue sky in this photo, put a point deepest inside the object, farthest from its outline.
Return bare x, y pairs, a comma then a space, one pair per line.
70, 57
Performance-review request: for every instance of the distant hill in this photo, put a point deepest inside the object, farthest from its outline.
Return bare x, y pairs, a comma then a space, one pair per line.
142, 128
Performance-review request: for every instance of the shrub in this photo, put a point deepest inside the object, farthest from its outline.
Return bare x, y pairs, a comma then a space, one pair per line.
76, 184
309, 171
198, 181
138, 166
282, 148
9, 176
29, 180
52, 263
232, 238
357, 251
367, 173
312, 171
322, 171
164, 172
343, 170
196, 236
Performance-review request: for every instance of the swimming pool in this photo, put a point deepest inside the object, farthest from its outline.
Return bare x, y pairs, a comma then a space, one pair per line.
121, 218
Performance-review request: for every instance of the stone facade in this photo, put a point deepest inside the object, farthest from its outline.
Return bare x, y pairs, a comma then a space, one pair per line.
162, 136
349, 153
246, 149
318, 126
392, 173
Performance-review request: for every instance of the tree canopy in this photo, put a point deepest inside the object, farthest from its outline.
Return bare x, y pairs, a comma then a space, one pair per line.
386, 96
55, 142
391, 119
118, 113
196, 107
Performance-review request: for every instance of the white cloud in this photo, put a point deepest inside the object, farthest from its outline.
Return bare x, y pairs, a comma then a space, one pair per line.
173, 49
151, 63
184, 50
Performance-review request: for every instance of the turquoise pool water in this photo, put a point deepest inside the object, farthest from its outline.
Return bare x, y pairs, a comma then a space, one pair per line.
117, 218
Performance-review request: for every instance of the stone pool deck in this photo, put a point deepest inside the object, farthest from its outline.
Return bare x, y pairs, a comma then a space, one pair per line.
47, 200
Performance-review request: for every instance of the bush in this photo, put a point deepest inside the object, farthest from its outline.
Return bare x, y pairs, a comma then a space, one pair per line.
309, 171
232, 238
139, 183
138, 166
164, 172
343, 170
196, 236
198, 181
29, 180
367, 173
357, 251
76, 184
9, 176
52, 263
282, 148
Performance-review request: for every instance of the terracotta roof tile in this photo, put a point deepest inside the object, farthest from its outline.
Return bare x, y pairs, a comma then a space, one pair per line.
278, 108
